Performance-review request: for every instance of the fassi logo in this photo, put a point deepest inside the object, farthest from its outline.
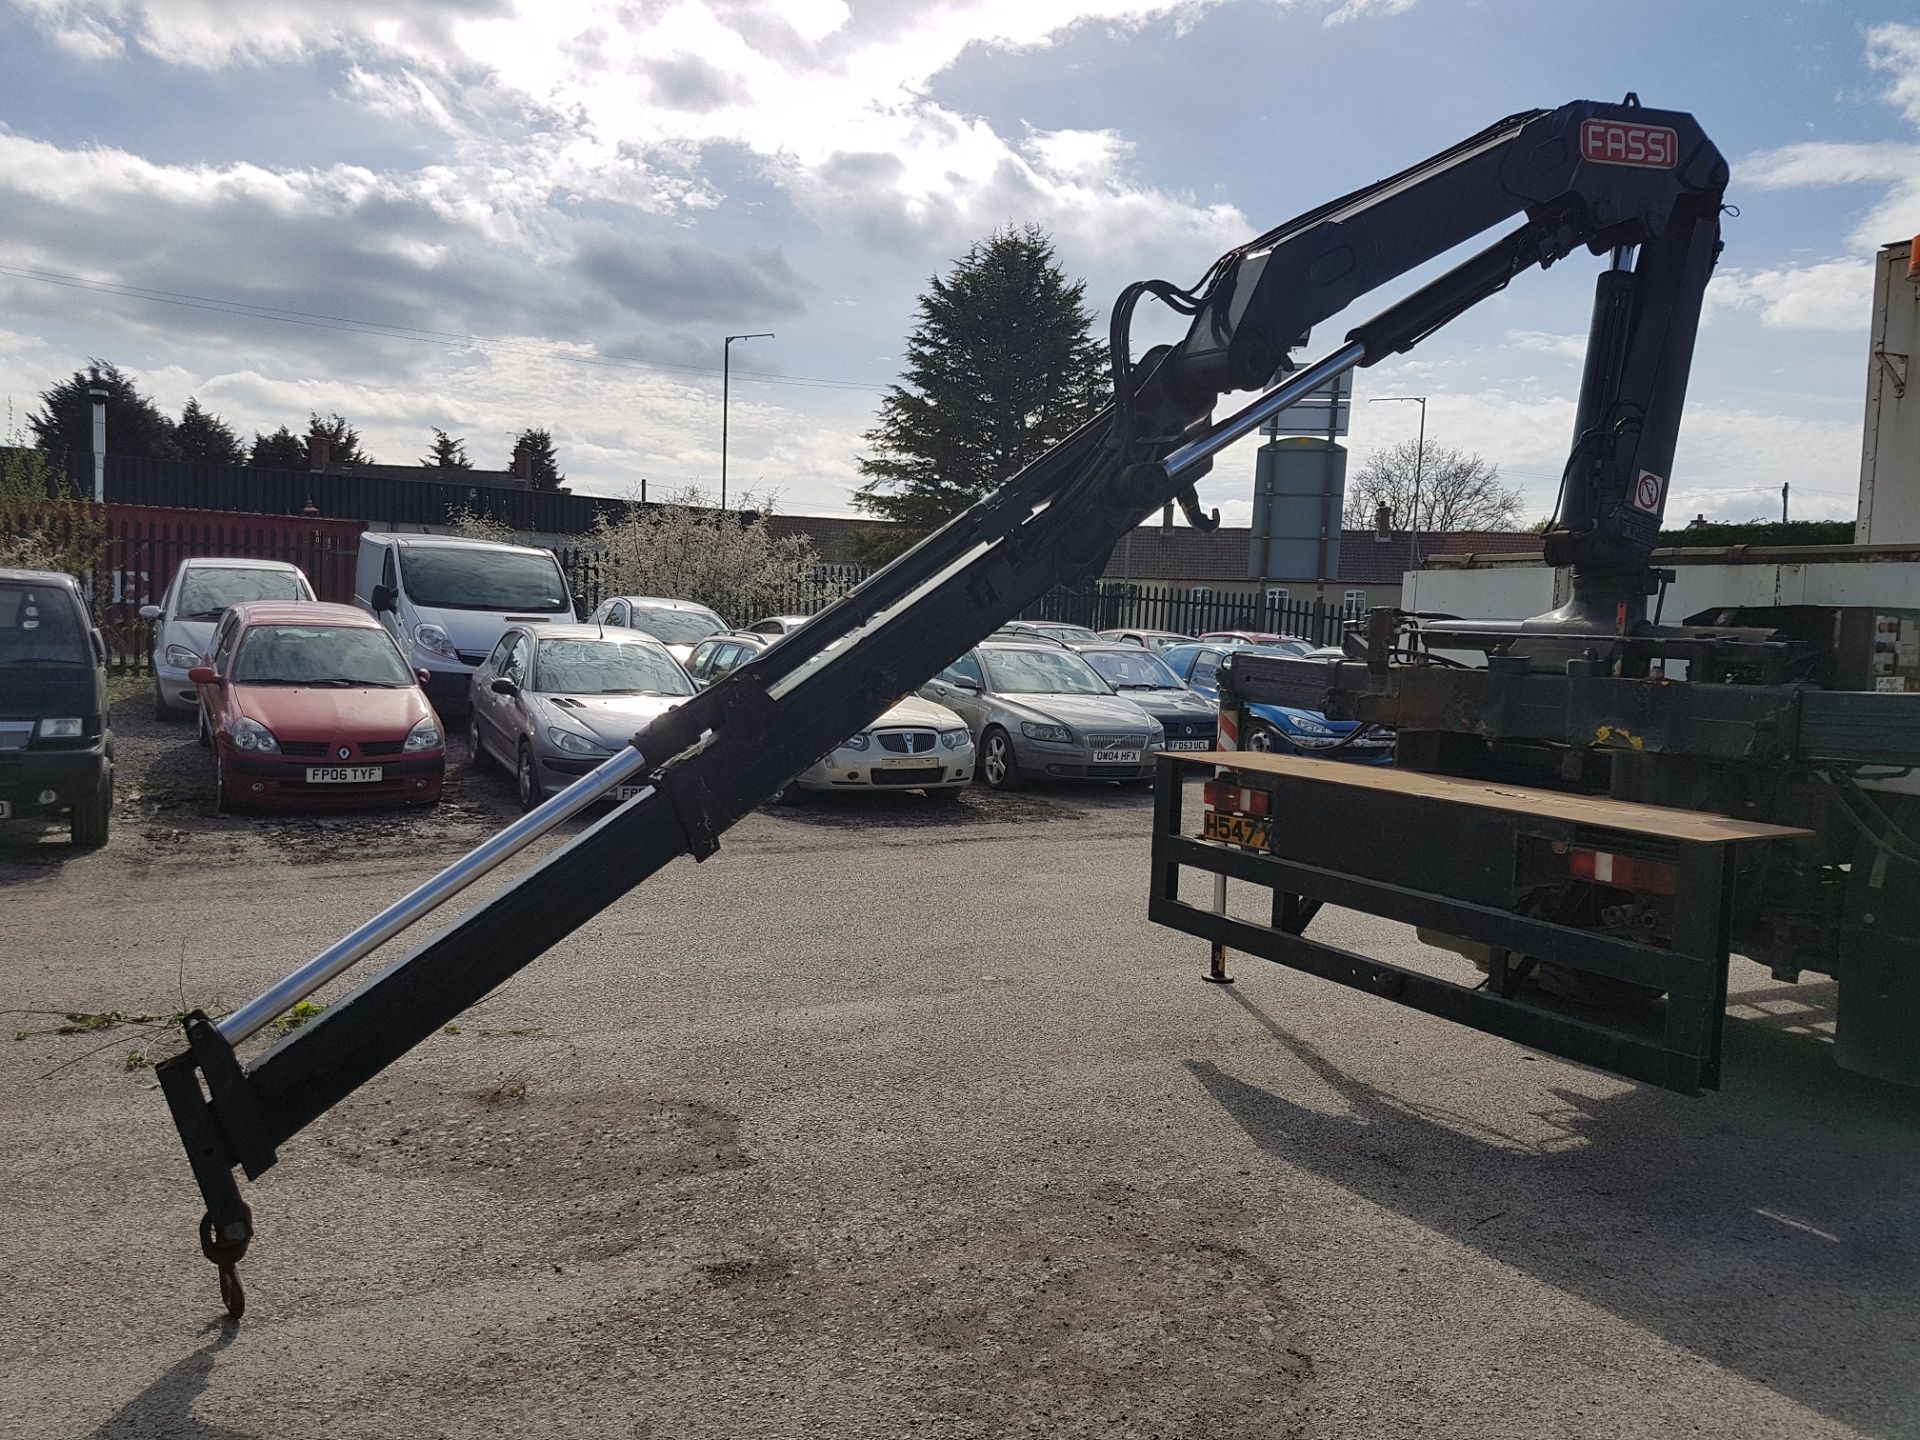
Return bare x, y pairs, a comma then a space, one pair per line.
1614, 142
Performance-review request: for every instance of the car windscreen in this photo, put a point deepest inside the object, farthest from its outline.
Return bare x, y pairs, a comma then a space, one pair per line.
1041, 672
1204, 666
41, 625
206, 590
606, 667
337, 655
458, 578
1132, 669
676, 627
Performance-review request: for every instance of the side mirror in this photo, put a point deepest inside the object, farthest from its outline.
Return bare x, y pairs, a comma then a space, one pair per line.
965, 682
203, 675
99, 646
503, 686
580, 606
384, 598
150, 612
425, 677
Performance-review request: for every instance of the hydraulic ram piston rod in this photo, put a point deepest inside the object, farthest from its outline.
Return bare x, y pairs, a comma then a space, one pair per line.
343, 954
1246, 421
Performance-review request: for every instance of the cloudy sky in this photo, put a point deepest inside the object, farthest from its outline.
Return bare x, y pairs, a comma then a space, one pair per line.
487, 214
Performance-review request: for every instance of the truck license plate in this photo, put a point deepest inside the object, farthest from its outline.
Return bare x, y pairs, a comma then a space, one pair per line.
1255, 834
342, 774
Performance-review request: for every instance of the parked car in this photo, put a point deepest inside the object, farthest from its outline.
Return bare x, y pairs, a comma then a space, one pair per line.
311, 705
184, 619
915, 745
1038, 712
779, 624
1058, 631
56, 752
1189, 720
720, 655
1289, 644
1154, 640
1285, 729
678, 624
552, 702
446, 600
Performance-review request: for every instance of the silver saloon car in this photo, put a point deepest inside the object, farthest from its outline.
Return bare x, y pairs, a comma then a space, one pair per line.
183, 621
552, 702
677, 624
915, 745
1041, 712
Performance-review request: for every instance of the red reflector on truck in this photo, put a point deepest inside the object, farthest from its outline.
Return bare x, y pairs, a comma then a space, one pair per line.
1624, 872
1221, 795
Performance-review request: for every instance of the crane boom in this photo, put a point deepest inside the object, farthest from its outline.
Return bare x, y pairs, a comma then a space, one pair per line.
1612, 178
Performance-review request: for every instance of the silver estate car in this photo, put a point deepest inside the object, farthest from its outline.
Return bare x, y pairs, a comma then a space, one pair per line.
184, 619
1038, 711
551, 702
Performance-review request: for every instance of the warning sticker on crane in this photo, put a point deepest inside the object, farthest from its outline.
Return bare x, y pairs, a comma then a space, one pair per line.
1647, 490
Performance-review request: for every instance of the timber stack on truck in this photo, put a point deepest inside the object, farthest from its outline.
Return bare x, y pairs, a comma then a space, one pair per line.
1753, 732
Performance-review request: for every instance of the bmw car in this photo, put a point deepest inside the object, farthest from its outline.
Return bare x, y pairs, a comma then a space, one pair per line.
1283, 729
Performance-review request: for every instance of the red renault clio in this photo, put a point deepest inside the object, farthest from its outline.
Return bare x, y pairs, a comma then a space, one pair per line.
310, 705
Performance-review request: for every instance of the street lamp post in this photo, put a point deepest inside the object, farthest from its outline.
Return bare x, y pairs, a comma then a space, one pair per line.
1419, 465
726, 386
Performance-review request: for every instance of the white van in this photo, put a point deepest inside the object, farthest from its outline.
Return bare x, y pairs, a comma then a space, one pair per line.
447, 600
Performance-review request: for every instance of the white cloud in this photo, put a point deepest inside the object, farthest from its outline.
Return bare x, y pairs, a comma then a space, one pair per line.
1566, 347
1360, 9
1830, 295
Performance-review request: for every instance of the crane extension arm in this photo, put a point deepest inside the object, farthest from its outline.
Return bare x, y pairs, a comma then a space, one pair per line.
1603, 176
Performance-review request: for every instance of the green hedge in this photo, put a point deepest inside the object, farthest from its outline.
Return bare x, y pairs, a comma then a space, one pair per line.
1759, 532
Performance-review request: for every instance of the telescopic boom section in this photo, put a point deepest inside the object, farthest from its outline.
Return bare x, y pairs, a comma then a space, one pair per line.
1604, 176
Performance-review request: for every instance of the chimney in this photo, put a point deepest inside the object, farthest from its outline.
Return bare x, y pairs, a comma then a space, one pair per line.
1913, 261
319, 451
1383, 522
523, 464
97, 393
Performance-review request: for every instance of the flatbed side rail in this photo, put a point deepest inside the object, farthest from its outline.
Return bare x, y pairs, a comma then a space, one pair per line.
1368, 839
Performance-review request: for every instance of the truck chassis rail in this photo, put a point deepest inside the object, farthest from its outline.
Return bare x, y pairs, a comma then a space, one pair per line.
1350, 836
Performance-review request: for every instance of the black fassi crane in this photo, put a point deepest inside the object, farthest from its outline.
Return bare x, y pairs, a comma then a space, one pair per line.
1615, 179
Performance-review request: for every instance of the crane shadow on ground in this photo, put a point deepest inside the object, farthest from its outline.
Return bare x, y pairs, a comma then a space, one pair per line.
1767, 1229
165, 1407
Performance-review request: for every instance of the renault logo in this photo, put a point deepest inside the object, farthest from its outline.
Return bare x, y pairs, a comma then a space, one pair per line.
344, 752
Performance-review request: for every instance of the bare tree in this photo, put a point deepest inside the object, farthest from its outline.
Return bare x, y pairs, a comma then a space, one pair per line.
1459, 490
727, 560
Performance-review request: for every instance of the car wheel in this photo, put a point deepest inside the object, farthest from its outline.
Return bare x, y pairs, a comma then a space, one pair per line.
526, 782
1263, 739
478, 757
92, 818
998, 765
160, 710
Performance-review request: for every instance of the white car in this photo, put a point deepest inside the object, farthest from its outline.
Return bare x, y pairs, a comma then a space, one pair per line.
677, 624
184, 619
917, 745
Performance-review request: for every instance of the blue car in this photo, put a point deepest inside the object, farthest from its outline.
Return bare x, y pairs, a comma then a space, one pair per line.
1282, 729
